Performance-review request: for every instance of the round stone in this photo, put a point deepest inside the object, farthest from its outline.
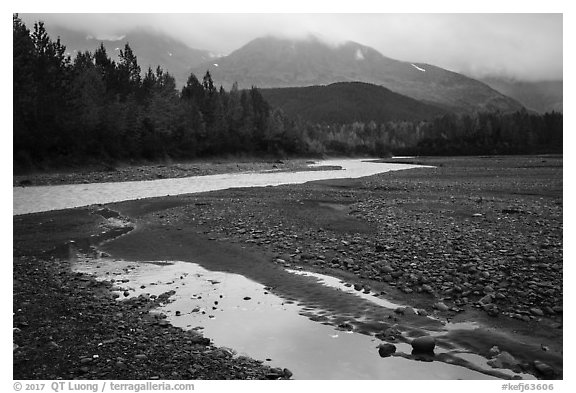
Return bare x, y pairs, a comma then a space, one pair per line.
386, 349
424, 344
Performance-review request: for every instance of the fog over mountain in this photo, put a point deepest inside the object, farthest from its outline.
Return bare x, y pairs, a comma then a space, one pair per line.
269, 62
525, 47
152, 48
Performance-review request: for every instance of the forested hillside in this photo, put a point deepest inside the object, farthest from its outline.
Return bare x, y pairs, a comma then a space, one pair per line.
347, 102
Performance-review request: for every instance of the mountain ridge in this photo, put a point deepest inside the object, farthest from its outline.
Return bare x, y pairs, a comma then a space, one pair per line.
541, 96
268, 62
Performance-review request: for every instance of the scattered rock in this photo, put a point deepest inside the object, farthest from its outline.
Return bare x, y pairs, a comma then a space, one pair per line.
494, 351
400, 310
287, 373
485, 300
275, 373
441, 306
536, 311
505, 360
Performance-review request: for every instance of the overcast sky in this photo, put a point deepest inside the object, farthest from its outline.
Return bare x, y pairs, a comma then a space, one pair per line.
524, 46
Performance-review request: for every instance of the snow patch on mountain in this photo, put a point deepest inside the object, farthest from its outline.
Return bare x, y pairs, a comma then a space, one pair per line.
418, 68
359, 55
105, 37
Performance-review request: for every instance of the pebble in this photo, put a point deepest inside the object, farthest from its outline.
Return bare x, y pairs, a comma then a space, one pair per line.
275, 373
385, 350
485, 300
544, 369
537, 311
494, 351
504, 360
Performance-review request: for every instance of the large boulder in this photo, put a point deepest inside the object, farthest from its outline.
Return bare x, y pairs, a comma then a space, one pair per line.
424, 344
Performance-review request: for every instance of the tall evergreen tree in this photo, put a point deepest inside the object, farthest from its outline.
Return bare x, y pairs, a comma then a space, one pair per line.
128, 72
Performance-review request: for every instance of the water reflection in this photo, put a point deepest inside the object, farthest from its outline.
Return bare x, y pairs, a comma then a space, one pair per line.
241, 314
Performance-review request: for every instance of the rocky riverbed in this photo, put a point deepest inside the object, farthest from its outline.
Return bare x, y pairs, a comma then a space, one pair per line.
487, 237
474, 239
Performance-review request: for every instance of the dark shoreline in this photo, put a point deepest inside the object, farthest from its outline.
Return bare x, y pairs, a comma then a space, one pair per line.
391, 217
144, 172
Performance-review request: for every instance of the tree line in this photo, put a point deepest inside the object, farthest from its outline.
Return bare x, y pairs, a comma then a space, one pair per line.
464, 134
93, 108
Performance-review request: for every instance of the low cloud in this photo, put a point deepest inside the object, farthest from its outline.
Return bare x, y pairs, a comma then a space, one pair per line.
520, 46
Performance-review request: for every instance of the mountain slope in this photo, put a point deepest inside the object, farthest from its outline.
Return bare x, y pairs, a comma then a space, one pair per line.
274, 62
539, 96
151, 49
347, 102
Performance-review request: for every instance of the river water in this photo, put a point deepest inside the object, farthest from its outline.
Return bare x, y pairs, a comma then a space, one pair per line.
45, 198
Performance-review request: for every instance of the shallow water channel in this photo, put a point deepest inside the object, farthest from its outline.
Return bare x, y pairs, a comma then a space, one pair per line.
247, 317
45, 198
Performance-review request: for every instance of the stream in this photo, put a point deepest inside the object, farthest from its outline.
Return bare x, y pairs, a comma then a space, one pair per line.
45, 198
250, 320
